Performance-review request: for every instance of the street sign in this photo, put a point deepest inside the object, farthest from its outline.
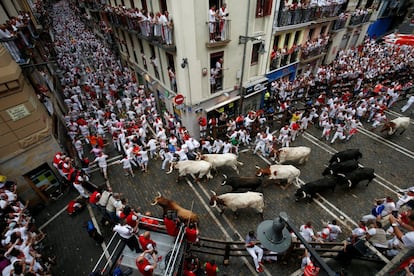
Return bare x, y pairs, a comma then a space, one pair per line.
179, 99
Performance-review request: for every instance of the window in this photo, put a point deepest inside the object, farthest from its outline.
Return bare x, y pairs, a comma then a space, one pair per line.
163, 5
217, 3
170, 60
276, 42
287, 38
255, 53
171, 71
310, 35
323, 30
216, 71
144, 4
263, 8
296, 39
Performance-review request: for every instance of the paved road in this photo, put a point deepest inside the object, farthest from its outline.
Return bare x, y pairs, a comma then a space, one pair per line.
77, 253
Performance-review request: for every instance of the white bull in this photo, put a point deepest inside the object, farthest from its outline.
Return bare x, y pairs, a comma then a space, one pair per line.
396, 124
298, 155
199, 168
280, 172
235, 201
221, 160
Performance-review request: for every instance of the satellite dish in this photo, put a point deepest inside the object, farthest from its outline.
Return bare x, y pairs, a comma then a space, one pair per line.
273, 235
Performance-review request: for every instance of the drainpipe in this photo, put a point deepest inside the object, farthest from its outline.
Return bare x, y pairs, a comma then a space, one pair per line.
244, 60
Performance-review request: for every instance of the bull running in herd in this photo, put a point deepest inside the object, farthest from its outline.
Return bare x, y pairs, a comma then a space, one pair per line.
236, 201
286, 173
197, 169
242, 183
400, 123
299, 155
167, 204
221, 160
343, 169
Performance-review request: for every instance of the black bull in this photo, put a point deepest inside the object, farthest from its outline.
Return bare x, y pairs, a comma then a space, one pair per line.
343, 167
242, 183
348, 154
310, 189
353, 178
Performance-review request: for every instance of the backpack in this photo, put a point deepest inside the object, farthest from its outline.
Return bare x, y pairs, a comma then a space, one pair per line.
90, 227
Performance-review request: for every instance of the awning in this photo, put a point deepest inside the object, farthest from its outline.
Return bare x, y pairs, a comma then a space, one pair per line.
223, 103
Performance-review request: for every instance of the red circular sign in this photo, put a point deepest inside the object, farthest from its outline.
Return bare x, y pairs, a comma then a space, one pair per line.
179, 99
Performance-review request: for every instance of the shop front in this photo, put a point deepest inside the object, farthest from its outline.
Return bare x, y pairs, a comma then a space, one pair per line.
253, 95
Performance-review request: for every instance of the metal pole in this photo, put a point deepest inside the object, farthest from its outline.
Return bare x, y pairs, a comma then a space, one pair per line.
244, 60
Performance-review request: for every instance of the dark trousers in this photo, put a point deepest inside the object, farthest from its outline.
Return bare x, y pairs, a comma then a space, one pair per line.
133, 244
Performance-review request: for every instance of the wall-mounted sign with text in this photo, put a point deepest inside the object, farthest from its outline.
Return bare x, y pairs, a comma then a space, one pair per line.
18, 112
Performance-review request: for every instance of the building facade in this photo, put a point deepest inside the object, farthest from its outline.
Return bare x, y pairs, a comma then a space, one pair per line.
31, 106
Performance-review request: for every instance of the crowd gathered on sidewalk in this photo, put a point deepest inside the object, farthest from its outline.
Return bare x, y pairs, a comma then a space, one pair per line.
108, 108
21, 240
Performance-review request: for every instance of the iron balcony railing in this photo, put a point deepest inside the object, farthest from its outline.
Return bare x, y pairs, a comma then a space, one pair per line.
359, 19
162, 33
288, 17
310, 52
339, 24
218, 31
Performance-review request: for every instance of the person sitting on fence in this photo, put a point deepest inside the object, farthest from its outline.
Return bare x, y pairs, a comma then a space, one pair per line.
255, 251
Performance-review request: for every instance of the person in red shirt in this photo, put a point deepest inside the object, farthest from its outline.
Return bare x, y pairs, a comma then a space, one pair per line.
144, 266
191, 233
94, 198
211, 268
171, 226
202, 121
149, 222
148, 245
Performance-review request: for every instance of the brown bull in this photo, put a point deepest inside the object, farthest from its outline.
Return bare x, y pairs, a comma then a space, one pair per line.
168, 204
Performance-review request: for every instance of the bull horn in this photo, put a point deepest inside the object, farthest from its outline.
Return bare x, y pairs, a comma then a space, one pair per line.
225, 176
154, 203
257, 167
213, 192
214, 204
159, 194
304, 194
259, 174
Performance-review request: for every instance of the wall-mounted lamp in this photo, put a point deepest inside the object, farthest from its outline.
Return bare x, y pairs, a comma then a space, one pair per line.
204, 71
262, 48
184, 63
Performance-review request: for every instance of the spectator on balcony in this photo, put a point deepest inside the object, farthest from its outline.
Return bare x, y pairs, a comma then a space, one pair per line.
166, 24
223, 14
212, 16
171, 75
213, 77
157, 25
4, 32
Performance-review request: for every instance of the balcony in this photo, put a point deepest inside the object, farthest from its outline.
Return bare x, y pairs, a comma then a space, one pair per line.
219, 33
293, 16
16, 48
357, 19
312, 52
283, 57
339, 24
158, 34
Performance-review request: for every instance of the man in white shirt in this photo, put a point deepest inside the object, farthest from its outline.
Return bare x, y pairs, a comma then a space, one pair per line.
102, 164
126, 232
